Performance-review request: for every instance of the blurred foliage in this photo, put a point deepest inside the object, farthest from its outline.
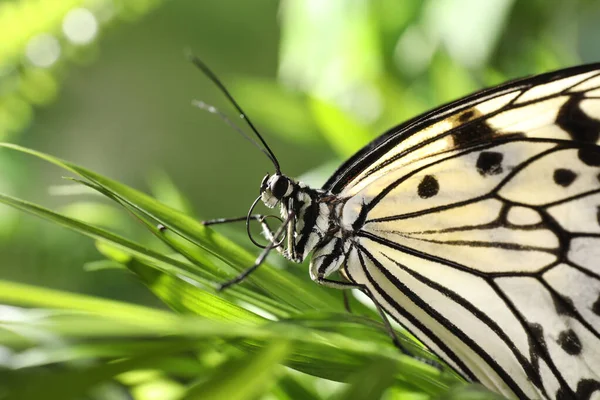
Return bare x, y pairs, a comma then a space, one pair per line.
40, 37
112, 95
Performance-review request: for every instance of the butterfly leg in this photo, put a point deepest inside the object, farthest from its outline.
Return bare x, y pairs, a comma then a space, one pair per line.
388, 327
261, 258
386, 322
346, 302
392, 333
219, 221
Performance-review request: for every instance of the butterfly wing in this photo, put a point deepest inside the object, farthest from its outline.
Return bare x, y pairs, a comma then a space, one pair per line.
478, 228
461, 123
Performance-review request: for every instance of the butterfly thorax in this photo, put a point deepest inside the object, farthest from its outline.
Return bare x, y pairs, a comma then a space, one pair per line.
312, 215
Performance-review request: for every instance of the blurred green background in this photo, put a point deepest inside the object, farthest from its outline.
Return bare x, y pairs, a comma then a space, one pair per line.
121, 106
105, 84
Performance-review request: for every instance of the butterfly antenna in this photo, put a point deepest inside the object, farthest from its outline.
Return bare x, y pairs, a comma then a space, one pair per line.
214, 110
207, 71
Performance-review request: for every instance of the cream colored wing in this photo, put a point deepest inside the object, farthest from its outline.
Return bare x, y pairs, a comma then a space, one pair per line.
559, 105
483, 238
491, 256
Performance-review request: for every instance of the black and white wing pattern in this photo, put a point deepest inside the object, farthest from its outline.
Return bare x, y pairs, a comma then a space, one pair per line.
477, 227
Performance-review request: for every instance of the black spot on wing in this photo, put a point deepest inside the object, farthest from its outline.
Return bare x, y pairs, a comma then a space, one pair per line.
586, 388
569, 342
539, 350
467, 116
564, 177
489, 163
428, 187
561, 394
577, 123
474, 132
536, 338
563, 305
581, 127
589, 156
598, 215
596, 306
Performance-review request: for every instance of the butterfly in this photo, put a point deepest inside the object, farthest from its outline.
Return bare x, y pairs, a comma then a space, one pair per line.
476, 226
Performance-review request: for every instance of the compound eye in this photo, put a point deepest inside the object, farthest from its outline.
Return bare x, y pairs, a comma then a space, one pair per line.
279, 187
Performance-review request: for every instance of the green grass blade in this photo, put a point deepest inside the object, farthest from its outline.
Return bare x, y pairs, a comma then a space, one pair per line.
370, 382
38, 383
324, 352
101, 235
242, 379
200, 259
31, 296
183, 296
289, 388
281, 285
166, 264
469, 392
325, 349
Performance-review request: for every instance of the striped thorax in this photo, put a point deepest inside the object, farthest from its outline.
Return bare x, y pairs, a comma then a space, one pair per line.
313, 223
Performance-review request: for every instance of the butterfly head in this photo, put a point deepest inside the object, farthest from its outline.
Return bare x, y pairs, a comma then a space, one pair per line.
275, 188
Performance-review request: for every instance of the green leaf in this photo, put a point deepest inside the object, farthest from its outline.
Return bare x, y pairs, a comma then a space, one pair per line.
281, 285
370, 382
322, 349
469, 392
289, 388
37, 383
184, 296
244, 378
165, 191
28, 296
321, 352
168, 265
